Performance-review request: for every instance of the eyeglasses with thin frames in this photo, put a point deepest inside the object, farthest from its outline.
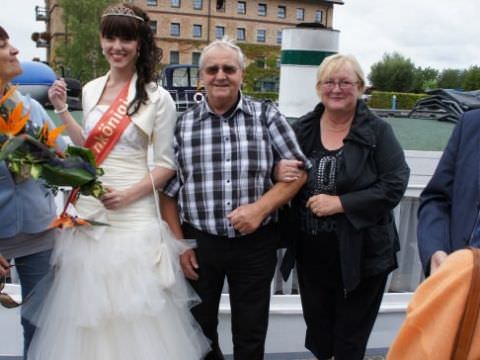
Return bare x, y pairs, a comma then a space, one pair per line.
342, 84
227, 69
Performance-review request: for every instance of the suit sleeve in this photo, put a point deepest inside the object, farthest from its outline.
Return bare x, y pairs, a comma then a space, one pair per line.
433, 231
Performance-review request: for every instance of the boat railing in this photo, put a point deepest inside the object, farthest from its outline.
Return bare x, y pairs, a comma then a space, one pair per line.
186, 98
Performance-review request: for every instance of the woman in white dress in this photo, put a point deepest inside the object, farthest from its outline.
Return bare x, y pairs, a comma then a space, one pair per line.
118, 291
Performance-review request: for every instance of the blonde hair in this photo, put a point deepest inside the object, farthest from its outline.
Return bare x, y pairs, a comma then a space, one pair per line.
335, 62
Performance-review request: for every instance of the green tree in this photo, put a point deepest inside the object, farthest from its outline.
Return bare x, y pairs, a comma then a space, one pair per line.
425, 79
81, 54
262, 68
450, 79
471, 79
393, 73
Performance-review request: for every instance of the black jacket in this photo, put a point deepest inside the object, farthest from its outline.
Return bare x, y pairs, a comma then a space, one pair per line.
371, 181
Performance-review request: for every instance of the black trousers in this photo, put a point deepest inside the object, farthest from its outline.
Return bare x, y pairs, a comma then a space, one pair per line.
338, 324
248, 263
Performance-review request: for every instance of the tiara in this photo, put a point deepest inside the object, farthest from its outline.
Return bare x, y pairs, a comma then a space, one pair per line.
120, 10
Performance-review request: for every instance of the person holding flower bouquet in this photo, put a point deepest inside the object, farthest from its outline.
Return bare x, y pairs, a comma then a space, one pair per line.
118, 291
26, 205
4, 266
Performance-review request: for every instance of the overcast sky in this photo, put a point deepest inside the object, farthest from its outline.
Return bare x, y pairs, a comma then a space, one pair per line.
436, 33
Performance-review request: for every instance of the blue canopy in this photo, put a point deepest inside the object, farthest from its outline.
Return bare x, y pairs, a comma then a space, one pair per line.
35, 73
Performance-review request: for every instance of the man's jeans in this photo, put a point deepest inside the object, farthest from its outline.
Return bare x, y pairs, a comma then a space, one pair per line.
31, 269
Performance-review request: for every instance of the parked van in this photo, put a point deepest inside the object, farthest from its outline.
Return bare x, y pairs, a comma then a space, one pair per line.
182, 82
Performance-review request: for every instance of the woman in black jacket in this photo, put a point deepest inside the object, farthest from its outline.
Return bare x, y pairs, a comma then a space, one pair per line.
348, 240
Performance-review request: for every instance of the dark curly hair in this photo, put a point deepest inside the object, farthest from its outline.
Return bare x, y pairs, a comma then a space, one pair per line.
3, 34
129, 28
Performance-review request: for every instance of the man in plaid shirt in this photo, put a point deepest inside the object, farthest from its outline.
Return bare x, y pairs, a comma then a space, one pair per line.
226, 148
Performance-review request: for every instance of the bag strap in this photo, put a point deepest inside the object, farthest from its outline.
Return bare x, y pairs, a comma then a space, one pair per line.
468, 323
156, 197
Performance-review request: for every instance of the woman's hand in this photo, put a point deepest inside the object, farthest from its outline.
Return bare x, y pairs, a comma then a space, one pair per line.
288, 170
324, 205
115, 199
57, 94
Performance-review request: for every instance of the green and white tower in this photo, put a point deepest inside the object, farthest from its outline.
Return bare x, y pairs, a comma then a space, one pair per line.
303, 49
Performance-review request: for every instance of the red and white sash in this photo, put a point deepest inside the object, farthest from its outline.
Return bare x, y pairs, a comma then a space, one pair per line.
110, 127
102, 139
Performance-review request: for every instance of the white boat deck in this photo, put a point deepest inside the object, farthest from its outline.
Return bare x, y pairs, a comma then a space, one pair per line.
286, 328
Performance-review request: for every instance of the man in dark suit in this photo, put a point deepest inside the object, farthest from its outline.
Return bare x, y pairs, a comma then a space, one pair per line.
449, 205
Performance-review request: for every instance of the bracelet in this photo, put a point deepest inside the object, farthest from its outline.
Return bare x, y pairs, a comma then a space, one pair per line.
62, 110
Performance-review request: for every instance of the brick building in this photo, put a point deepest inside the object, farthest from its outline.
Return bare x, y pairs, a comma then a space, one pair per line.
184, 27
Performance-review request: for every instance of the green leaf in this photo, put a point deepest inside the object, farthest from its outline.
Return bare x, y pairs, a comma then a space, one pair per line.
61, 176
94, 188
81, 152
10, 146
36, 171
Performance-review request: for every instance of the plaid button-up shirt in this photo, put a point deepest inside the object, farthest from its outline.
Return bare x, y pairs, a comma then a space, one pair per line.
225, 162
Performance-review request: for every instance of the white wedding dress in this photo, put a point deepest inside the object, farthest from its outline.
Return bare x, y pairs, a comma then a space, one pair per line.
109, 299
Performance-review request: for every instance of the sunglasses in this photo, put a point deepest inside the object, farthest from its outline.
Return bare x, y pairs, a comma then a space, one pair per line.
227, 69
5, 299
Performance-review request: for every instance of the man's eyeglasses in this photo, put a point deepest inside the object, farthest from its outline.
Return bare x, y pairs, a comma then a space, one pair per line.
5, 299
342, 84
227, 69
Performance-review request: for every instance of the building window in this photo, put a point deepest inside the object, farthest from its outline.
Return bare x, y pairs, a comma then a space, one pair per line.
220, 5
300, 14
175, 29
260, 62
261, 35
153, 26
175, 3
219, 32
197, 4
195, 58
241, 34
197, 31
318, 16
262, 9
282, 12
242, 7
279, 37
174, 57
152, 3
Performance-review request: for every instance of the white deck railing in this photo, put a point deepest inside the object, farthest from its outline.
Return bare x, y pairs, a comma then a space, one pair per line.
286, 327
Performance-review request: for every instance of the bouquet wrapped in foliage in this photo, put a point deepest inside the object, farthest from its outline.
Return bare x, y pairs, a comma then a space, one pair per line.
31, 152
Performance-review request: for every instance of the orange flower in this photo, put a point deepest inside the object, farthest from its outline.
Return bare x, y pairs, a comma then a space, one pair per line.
66, 221
49, 137
15, 121
7, 95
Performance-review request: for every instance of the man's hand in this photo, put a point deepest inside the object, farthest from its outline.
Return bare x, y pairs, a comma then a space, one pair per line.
4, 266
189, 264
246, 218
325, 205
437, 259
